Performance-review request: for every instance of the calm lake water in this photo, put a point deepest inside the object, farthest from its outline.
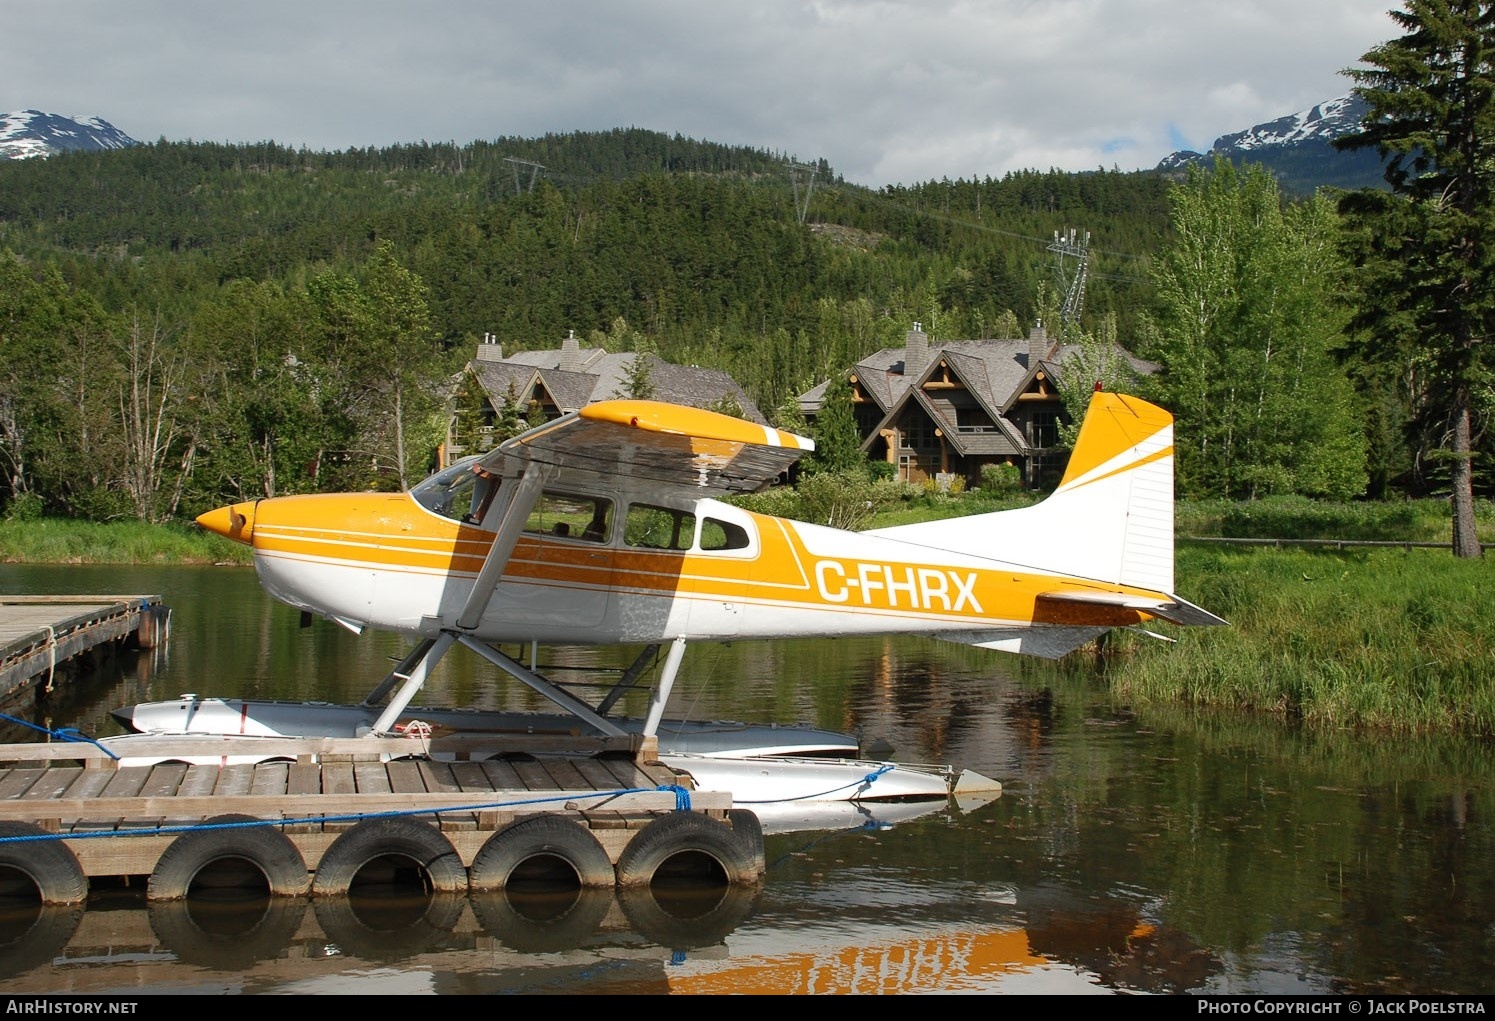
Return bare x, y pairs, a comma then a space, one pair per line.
1156, 852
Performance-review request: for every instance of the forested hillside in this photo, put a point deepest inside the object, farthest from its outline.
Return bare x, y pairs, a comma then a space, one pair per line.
187, 324
681, 239
230, 320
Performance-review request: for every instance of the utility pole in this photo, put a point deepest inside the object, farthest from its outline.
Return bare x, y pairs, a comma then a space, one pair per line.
534, 172
1071, 281
801, 207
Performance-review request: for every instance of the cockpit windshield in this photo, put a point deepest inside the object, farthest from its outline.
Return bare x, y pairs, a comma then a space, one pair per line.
458, 491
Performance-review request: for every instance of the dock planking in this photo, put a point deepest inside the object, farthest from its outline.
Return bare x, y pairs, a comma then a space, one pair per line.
122, 815
48, 640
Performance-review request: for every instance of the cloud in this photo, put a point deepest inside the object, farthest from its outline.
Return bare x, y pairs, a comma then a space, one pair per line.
888, 92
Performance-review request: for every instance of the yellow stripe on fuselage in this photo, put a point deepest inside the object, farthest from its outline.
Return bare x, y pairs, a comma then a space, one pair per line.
393, 534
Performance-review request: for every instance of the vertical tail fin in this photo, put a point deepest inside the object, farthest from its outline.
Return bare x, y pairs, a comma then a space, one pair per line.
1119, 483
1110, 520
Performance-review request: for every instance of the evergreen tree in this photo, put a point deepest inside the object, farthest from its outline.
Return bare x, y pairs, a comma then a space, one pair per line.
1427, 249
509, 422
837, 442
637, 383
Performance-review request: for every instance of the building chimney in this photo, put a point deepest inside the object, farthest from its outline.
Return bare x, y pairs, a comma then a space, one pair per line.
915, 351
570, 353
490, 350
1038, 346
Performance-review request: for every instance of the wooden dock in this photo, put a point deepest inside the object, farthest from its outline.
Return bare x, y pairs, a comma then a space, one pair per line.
47, 640
119, 813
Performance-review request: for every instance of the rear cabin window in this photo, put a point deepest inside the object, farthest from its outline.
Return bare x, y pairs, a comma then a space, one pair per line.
720, 535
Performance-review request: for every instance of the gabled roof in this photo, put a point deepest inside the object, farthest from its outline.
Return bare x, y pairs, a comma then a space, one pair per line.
497, 377
994, 376
594, 375
996, 371
570, 390
974, 371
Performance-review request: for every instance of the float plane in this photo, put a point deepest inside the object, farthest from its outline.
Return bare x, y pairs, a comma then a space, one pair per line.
610, 525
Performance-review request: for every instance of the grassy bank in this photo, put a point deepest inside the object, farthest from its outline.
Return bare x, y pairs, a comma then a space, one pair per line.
1391, 640
57, 541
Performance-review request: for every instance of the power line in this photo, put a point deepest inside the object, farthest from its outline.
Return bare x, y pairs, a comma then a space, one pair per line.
1071, 281
534, 172
801, 208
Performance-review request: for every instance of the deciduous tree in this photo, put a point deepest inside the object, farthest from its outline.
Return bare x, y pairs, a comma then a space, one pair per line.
1248, 315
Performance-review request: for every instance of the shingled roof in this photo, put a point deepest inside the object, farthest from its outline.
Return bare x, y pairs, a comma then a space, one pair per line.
996, 370
986, 400
574, 377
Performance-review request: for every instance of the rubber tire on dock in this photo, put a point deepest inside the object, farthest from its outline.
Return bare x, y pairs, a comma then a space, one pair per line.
749, 829
270, 851
49, 863
541, 837
688, 834
394, 837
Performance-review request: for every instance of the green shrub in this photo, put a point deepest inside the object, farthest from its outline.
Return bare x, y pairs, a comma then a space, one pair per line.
1001, 480
24, 507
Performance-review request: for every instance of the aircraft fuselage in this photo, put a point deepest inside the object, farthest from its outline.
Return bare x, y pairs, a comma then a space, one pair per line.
387, 561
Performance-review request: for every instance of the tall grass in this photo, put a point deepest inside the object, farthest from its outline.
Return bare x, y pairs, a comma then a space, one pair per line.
1296, 517
57, 541
1401, 641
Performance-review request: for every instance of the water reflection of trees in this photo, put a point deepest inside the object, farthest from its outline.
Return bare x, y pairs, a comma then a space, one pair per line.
1374, 856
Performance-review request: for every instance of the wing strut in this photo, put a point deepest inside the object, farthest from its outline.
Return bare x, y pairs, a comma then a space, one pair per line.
521, 502
661, 691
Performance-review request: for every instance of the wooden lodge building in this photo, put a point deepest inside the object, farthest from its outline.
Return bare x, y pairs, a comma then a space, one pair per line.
933, 411
938, 411
545, 385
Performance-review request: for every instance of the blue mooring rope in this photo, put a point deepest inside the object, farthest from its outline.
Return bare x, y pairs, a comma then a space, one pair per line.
867, 780
66, 733
682, 804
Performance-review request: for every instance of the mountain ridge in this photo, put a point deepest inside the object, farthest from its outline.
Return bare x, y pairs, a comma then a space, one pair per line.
1297, 148
27, 134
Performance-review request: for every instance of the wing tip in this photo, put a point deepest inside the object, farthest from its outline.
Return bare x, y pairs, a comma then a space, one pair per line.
683, 419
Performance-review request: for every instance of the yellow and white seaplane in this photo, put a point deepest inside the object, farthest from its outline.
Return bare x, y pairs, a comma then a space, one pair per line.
607, 526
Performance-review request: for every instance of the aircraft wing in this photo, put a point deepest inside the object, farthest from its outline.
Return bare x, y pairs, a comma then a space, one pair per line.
652, 441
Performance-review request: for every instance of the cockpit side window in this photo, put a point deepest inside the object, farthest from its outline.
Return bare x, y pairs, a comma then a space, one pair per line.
568, 516
650, 527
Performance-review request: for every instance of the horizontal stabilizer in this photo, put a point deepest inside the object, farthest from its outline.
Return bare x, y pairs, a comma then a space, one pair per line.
1173, 609
1181, 611
1125, 600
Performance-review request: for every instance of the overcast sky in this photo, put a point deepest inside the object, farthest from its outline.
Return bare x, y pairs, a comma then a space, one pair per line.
887, 92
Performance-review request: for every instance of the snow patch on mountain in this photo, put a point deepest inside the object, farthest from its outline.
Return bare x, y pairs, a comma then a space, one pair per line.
25, 134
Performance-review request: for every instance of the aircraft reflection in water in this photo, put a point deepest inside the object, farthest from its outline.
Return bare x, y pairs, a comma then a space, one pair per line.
605, 527
493, 943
